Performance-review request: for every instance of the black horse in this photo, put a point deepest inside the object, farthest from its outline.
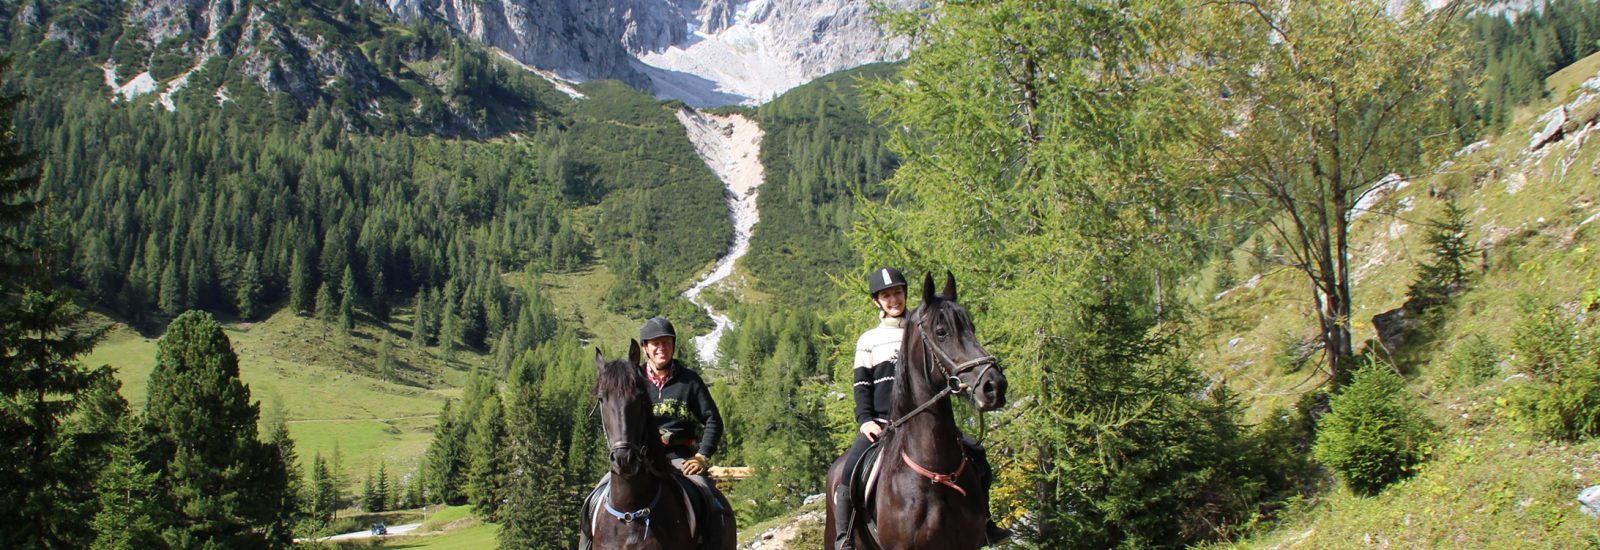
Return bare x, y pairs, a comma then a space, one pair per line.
928, 494
647, 505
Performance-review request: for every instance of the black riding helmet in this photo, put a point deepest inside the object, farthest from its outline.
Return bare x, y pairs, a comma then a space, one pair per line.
884, 279
656, 327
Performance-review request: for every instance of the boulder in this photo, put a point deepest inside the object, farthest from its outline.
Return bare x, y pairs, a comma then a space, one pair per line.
1590, 501
1552, 128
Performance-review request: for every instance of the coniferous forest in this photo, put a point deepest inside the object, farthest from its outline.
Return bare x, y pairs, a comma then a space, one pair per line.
1100, 176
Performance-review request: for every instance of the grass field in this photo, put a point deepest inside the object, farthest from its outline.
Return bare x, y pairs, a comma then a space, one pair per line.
325, 388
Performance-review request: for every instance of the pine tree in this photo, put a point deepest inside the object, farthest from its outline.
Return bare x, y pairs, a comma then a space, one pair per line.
536, 513
302, 290
324, 495
445, 460
130, 511
347, 300
248, 297
38, 336
327, 310
485, 464
381, 493
223, 485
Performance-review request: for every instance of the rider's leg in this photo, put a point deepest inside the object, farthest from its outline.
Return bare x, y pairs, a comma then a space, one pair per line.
843, 498
980, 463
586, 522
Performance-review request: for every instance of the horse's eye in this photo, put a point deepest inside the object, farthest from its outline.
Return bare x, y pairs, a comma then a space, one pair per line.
941, 333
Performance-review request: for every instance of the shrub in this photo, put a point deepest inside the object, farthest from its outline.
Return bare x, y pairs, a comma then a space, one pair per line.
1375, 434
1294, 350
1545, 342
1567, 407
1473, 361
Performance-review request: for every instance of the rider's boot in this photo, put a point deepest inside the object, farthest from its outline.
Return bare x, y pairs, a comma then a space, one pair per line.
843, 518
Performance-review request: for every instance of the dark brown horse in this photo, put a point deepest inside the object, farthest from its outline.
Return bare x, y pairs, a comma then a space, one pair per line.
928, 493
645, 507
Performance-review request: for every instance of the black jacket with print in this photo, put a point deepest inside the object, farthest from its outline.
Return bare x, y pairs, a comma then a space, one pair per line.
685, 412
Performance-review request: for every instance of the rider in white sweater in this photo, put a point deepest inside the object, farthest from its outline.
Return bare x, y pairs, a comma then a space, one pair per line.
877, 355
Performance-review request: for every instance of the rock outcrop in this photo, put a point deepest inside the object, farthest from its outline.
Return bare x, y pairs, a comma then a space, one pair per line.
705, 52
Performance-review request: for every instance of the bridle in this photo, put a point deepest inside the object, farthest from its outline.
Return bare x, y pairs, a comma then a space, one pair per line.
952, 373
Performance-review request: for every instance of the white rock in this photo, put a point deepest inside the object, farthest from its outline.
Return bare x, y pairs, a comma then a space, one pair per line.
1552, 126
1590, 499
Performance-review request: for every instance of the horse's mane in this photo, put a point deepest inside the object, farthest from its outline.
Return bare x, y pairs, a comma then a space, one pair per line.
623, 379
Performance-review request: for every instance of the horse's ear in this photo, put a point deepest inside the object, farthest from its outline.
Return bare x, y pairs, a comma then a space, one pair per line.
949, 286
633, 351
599, 359
927, 288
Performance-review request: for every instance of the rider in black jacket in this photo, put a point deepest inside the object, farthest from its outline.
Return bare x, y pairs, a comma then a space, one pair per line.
685, 412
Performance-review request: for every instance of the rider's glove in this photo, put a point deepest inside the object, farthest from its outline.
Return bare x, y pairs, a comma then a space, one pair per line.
696, 465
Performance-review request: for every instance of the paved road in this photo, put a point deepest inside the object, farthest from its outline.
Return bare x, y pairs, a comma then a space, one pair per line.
393, 530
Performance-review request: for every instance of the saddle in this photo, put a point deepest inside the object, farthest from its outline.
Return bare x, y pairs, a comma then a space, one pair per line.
708, 511
863, 485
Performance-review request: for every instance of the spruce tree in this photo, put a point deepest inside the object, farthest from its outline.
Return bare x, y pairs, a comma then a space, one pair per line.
381, 492
39, 350
222, 485
536, 513
327, 310
485, 464
131, 513
445, 460
347, 299
369, 494
302, 291
248, 296
324, 496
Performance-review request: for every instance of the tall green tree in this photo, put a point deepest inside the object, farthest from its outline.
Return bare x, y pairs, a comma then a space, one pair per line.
222, 484
41, 379
486, 465
536, 513
1046, 149
1324, 100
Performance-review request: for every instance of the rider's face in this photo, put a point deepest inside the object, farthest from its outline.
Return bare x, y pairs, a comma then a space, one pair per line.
892, 302
658, 351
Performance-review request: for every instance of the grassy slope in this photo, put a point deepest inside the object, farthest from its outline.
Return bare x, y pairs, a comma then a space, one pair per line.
323, 387
1488, 484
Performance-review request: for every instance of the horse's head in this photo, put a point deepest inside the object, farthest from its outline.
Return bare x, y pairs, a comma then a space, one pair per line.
625, 412
955, 355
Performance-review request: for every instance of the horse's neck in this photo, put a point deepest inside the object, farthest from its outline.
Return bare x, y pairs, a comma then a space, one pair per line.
931, 437
632, 493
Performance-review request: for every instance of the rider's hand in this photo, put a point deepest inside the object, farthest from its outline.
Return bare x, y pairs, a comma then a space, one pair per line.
871, 429
696, 465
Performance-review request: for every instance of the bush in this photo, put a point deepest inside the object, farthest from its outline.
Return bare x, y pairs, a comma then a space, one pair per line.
1375, 434
1566, 408
1474, 360
1545, 342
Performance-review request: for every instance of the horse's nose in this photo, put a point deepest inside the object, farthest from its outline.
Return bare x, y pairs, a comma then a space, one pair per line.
992, 395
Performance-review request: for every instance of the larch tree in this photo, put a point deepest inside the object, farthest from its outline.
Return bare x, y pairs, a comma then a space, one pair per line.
1047, 150
1323, 101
